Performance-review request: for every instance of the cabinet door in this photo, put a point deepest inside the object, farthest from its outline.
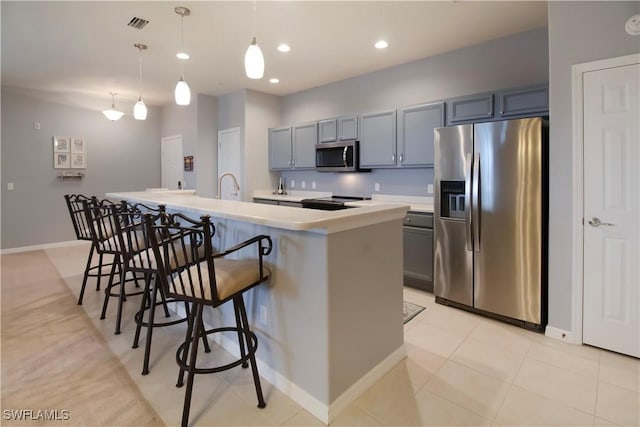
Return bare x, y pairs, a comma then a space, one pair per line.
378, 139
470, 108
524, 102
415, 133
327, 130
347, 128
280, 148
305, 137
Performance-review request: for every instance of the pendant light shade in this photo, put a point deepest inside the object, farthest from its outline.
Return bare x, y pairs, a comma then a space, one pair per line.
183, 93
253, 58
113, 114
140, 110
254, 61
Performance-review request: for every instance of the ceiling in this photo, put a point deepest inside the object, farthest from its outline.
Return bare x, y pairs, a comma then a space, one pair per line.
86, 47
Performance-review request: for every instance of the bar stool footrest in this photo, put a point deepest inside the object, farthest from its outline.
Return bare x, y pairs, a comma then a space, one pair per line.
242, 360
138, 317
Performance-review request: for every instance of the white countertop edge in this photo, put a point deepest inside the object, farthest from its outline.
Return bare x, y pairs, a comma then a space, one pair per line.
291, 196
289, 218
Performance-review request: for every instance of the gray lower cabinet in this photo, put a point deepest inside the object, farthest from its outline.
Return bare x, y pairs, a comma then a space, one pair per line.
280, 148
415, 133
378, 139
277, 202
418, 250
293, 147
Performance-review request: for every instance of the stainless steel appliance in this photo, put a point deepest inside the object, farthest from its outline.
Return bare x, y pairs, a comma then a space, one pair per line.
330, 203
491, 219
418, 250
338, 157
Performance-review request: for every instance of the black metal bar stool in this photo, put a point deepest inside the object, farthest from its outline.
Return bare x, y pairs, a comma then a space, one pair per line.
83, 232
102, 220
137, 258
209, 281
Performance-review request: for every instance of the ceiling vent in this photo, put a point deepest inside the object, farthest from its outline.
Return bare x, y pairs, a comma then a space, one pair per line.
138, 23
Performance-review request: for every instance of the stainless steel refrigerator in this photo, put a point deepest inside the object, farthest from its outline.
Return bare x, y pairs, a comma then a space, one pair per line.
490, 219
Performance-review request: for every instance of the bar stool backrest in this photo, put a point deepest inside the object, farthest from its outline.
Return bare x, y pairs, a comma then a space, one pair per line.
78, 217
101, 220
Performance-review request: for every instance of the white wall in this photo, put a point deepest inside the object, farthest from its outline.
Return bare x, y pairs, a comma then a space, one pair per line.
578, 32
121, 156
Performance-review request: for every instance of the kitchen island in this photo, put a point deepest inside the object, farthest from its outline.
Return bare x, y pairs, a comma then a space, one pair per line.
329, 321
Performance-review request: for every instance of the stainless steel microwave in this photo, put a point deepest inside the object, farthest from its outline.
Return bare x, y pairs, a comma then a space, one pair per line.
338, 156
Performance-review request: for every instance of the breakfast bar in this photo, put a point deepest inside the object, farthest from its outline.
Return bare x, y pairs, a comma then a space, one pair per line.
329, 321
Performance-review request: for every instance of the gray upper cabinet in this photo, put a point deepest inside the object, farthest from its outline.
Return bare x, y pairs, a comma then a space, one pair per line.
339, 129
305, 137
415, 133
472, 108
378, 139
524, 102
293, 147
327, 130
347, 128
280, 148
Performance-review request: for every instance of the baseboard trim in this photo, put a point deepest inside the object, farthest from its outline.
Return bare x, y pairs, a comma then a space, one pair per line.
369, 379
561, 335
42, 247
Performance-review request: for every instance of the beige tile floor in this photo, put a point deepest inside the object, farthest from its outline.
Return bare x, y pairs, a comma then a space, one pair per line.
461, 369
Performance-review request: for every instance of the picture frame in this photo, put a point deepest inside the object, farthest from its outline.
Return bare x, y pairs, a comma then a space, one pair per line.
78, 161
78, 145
188, 164
61, 144
61, 160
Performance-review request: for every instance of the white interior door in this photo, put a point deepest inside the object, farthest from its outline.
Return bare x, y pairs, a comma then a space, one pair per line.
172, 162
611, 265
229, 160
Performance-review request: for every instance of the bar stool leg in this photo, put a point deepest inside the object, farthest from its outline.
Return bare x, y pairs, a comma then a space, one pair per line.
152, 313
143, 306
240, 335
99, 272
190, 319
252, 356
192, 366
121, 297
86, 274
108, 291
164, 302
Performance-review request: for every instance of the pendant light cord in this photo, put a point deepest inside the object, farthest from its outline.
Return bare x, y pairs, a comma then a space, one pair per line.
182, 45
140, 74
254, 18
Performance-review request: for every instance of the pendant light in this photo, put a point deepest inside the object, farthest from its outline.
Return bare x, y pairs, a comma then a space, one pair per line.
253, 59
140, 110
182, 92
113, 114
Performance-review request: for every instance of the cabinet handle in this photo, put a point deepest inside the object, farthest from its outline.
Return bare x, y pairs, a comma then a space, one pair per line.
401, 158
393, 157
293, 162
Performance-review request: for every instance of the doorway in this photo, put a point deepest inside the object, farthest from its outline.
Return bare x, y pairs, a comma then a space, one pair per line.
172, 162
229, 160
609, 141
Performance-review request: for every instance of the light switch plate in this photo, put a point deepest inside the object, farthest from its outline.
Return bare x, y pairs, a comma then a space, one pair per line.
313, 184
430, 188
376, 187
10, 186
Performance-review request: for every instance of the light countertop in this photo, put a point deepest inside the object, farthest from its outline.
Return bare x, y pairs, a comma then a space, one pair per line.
284, 217
291, 196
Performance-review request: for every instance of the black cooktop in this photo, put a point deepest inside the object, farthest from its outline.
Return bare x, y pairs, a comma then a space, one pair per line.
330, 203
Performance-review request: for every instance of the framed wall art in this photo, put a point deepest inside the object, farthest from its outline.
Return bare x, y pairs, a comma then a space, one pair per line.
78, 145
78, 161
61, 160
61, 144
188, 163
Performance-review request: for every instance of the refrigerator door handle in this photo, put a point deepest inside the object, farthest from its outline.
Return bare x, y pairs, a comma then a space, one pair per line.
467, 205
475, 202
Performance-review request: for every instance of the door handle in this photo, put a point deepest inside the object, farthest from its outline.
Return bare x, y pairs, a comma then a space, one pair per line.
595, 222
467, 203
475, 202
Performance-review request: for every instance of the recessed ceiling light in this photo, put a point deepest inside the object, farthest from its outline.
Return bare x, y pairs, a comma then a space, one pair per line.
182, 55
283, 47
381, 44
274, 80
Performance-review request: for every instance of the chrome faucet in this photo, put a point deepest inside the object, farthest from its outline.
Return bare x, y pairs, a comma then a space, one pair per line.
236, 187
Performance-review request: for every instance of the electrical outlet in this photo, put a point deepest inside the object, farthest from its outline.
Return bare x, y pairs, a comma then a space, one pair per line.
304, 184
313, 184
10, 186
264, 318
430, 188
292, 183
376, 187
36, 125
